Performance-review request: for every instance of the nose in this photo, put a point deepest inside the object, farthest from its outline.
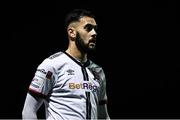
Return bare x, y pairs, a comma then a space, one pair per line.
94, 33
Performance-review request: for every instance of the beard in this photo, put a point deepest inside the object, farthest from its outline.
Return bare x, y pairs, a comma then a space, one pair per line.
85, 48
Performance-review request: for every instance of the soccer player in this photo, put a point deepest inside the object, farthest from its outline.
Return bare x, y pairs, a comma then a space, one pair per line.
71, 86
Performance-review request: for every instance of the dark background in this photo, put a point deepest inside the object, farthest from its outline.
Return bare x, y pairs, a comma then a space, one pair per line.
137, 47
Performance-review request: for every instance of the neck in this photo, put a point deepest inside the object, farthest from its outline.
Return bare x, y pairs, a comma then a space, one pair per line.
77, 54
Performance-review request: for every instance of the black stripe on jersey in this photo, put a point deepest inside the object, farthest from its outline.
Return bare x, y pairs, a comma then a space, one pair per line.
88, 102
88, 106
85, 77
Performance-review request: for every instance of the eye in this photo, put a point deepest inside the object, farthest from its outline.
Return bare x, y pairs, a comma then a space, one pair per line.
88, 27
95, 28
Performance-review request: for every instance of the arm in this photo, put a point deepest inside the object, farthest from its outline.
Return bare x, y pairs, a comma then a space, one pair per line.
40, 86
31, 105
103, 112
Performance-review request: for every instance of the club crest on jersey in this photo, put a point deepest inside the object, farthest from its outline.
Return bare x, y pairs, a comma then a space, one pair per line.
96, 75
48, 75
86, 85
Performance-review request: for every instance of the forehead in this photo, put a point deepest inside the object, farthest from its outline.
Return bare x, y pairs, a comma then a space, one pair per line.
87, 20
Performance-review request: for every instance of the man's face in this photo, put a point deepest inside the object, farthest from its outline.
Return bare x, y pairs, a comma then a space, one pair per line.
86, 34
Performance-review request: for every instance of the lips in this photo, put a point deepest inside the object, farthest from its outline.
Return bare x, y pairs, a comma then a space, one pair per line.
92, 41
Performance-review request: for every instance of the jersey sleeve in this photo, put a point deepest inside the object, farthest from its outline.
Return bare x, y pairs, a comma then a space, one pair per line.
102, 109
103, 94
43, 79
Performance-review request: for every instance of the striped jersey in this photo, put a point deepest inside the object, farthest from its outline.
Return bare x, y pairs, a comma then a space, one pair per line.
72, 90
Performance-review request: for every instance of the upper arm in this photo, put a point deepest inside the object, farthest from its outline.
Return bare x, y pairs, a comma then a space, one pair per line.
102, 109
39, 88
103, 95
43, 79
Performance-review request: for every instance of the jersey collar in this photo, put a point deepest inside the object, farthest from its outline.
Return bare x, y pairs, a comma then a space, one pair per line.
82, 64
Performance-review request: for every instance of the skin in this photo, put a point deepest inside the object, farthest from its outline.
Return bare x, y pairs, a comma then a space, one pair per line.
82, 37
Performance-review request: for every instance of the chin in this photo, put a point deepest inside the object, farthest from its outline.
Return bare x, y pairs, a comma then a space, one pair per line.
91, 49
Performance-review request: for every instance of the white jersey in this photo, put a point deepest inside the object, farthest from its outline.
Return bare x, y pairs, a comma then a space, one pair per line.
73, 90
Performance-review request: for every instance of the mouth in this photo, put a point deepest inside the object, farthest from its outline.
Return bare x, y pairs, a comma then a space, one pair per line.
92, 41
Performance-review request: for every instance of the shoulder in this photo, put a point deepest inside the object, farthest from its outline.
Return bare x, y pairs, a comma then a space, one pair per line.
55, 55
95, 66
96, 70
51, 61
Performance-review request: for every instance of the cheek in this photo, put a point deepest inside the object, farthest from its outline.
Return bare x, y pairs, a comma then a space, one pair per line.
85, 38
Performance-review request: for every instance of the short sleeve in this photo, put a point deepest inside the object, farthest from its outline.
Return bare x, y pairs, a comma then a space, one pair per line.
43, 79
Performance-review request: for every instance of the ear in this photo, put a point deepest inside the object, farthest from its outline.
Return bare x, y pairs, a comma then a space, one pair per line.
71, 32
